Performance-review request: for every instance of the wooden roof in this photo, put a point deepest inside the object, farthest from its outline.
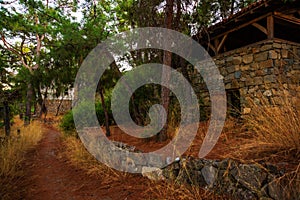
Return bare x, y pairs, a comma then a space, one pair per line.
253, 11
261, 20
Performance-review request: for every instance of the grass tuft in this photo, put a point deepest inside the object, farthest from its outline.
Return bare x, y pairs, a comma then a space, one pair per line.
12, 155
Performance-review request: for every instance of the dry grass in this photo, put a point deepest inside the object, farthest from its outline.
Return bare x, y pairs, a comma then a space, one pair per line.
273, 132
12, 154
80, 158
173, 190
273, 135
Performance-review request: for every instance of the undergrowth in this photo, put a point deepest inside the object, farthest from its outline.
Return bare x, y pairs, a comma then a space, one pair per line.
12, 154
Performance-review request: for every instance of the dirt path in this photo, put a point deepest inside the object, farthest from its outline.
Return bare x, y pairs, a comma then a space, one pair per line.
50, 176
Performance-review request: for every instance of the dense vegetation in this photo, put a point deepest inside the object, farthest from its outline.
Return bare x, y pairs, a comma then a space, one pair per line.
43, 44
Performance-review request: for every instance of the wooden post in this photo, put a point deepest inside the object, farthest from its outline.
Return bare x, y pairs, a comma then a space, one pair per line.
270, 27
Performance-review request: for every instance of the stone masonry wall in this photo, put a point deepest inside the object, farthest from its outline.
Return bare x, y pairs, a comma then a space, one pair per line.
265, 70
243, 181
52, 106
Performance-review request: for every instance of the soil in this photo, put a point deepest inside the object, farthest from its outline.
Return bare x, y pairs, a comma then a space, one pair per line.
50, 176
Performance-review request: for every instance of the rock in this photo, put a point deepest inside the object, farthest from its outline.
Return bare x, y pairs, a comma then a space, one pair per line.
284, 53
269, 79
266, 47
261, 56
258, 80
273, 54
152, 173
245, 67
277, 45
237, 74
250, 176
266, 64
237, 60
209, 174
230, 69
275, 190
247, 59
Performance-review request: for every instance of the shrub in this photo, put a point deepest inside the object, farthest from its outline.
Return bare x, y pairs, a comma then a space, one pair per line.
67, 122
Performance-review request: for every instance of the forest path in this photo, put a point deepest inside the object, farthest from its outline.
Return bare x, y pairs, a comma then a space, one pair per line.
51, 176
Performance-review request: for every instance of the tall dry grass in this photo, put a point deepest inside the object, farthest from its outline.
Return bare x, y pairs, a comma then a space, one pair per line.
273, 135
273, 130
12, 154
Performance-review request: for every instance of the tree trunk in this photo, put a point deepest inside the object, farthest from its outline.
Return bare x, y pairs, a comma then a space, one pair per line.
28, 104
58, 107
6, 118
105, 113
166, 74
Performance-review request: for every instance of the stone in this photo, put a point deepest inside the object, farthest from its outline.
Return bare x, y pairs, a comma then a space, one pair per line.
273, 54
247, 59
250, 176
252, 74
234, 84
277, 45
229, 59
228, 86
152, 173
275, 190
260, 73
237, 60
266, 64
249, 81
254, 66
237, 74
261, 56
209, 174
266, 47
258, 80
245, 67
269, 79
230, 69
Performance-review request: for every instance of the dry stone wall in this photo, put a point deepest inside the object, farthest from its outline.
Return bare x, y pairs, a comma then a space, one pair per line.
268, 70
243, 181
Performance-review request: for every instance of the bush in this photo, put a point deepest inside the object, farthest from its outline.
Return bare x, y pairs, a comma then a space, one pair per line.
67, 122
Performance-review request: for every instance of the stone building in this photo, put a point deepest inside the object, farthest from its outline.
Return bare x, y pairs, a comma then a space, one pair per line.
257, 51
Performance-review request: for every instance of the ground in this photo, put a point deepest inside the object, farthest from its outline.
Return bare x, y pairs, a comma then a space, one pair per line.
51, 176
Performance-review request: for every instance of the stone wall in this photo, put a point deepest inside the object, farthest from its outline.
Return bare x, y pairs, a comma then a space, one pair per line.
53, 104
230, 177
265, 70
236, 179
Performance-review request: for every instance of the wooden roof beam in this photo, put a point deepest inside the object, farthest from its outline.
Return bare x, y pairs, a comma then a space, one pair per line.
270, 27
260, 27
243, 25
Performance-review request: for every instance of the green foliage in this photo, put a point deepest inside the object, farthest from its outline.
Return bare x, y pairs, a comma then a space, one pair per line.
67, 122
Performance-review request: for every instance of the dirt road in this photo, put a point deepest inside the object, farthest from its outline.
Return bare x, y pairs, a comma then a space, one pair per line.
50, 176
